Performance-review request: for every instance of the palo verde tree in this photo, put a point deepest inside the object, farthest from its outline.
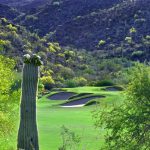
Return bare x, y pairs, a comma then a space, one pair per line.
128, 126
8, 101
28, 134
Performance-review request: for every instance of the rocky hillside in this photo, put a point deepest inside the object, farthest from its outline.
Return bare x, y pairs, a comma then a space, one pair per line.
61, 63
61, 12
16, 2
25, 5
115, 27
122, 29
110, 28
8, 12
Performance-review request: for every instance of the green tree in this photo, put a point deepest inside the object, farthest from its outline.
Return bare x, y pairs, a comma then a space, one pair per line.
8, 101
48, 82
128, 126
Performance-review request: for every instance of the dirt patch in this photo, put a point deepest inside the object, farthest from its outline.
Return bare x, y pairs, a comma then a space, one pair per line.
61, 96
81, 101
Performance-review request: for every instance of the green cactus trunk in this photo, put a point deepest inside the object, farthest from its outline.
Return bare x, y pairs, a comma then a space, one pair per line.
28, 134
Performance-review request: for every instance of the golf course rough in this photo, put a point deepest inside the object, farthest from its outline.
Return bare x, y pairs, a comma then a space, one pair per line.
28, 133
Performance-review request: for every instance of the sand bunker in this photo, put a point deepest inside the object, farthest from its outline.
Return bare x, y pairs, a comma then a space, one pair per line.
61, 96
80, 102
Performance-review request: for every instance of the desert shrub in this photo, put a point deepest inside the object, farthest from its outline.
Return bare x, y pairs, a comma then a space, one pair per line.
80, 81
40, 87
75, 82
137, 53
128, 39
48, 82
67, 73
101, 42
31, 18
70, 140
70, 83
11, 27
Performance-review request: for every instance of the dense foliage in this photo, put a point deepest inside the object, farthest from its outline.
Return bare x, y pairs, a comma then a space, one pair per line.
15, 41
128, 126
62, 64
8, 101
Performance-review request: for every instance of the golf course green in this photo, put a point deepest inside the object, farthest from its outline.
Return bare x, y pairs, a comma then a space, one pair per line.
51, 117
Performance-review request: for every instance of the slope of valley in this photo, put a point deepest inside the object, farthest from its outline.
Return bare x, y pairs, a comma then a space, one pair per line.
8, 12
79, 38
111, 28
62, 63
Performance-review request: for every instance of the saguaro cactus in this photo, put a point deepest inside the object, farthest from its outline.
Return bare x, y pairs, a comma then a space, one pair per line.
28, 133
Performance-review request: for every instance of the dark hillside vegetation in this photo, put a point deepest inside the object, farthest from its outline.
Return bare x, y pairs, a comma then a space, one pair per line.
61, 64
57, 13
8, 12
106, 29
16, 2
115, 28
25, 5
109, 29
121, 30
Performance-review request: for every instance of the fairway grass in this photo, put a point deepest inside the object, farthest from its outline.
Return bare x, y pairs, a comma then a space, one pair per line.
78, 120
51, 117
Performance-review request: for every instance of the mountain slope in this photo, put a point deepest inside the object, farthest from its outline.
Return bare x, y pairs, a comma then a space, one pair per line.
116, 27
111, 25
16, 2
60, 63
25, 5
57, 13
113, 28
8, 12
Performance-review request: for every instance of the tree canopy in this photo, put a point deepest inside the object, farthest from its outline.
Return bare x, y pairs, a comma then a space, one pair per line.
8, 100
128, 126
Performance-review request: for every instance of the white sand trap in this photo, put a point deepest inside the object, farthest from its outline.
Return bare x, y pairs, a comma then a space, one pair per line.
72, 106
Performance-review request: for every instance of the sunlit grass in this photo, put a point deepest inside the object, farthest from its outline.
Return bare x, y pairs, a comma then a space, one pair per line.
51, 118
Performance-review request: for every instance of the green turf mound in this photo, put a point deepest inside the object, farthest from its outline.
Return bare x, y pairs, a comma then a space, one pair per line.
92, 102
61, 96
113, 88
58, 90
80, 95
